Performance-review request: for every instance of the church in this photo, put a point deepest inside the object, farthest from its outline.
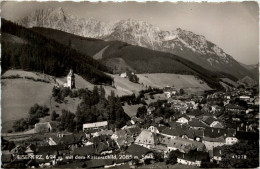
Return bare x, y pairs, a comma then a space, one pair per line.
70, 80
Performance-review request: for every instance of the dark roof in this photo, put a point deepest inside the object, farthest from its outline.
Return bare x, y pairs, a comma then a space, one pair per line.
195, 112
133, 130
233, 106
210, 120
196, 123
214, 132
137, 150
174, 132
161, 128
192, 133
83, 151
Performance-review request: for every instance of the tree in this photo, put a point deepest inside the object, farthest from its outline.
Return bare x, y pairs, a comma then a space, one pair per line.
181, 91
141, 112
172, 159
67, 120
240, 155
53, 115
11, 145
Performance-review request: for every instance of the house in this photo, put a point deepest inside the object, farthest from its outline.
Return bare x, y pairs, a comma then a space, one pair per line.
245, 98
153, 129
193, 134
213, 122
147, 139
133, 132
124, 75
183, 145
169, 91
214, 137
192, 158
196, 113
196, 124
43, 127
70, 80
174, 132
150, 109
183, 120
96, 125
121, 138
231, 140
234, 108
138, 151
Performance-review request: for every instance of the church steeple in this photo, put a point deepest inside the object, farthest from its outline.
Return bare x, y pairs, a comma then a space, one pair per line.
71, 79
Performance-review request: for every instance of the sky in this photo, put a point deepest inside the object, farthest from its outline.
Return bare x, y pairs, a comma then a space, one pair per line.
233, 26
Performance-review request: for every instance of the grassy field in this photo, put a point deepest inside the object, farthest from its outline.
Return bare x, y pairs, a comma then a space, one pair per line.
131, 110
161, 80
18, 95
122, 85
235, 84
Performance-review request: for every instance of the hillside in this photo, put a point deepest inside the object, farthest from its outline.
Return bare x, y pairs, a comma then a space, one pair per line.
121, 56
18, 95
43, 54
160, 80
183, 43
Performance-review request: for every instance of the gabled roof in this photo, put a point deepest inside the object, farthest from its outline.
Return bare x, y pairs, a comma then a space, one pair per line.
210, 120
137, 150
133, 130
214, 132
193, 155
233, 106
196, 123
147, 137
191, 133
174, 132
195, 112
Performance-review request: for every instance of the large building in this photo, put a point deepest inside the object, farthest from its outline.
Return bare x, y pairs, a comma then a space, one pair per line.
96, 125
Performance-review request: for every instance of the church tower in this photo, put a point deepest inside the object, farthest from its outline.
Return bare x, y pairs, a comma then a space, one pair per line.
71, 79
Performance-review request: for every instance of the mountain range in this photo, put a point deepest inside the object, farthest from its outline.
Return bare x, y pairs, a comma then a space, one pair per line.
185, 44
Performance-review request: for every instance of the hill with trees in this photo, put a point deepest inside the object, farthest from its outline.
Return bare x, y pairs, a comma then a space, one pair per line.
46, 55
120, 56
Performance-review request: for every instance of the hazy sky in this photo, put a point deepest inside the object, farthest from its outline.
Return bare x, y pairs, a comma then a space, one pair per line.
232, 26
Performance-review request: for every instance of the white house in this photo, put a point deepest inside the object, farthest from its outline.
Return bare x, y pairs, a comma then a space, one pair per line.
231, 140
123, 75
96, 125
183, 120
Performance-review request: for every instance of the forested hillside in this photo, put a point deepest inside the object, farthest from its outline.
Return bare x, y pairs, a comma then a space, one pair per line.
120, 56
44, 54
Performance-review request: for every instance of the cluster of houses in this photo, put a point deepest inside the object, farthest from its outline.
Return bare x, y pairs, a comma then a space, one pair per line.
196, 134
